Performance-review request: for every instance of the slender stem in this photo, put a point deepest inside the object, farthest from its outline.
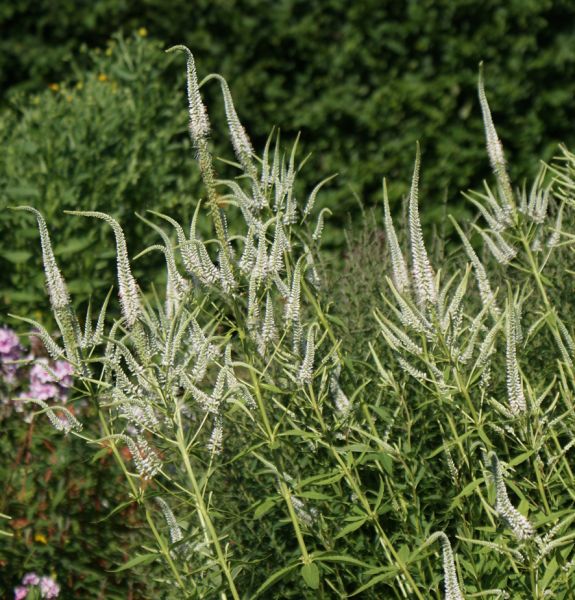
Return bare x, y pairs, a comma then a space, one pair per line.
202, 508
301, 542
139, 498
386, 542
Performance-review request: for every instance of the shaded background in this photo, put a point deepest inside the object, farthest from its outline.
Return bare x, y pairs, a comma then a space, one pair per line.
97, 124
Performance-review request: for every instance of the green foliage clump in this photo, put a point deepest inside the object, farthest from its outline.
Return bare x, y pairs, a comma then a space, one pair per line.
86, 144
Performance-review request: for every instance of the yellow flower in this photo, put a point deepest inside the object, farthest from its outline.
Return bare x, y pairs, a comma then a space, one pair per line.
79, 85
54, 87
102, 77
69, 98
41, 538
142, 32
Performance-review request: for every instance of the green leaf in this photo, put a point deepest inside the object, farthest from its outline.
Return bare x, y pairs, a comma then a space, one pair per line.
355, 524
310, 574
16, 256
264, 508
549, 574
466, 491
274, 578
143, 559
386, 574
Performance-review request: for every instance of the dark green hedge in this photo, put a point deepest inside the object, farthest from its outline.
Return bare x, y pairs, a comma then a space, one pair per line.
363, 80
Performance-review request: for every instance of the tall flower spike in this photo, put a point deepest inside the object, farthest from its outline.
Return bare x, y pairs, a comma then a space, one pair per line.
269, 331
253, 305
226, 276
175, 531
517, 402
305, 374
398, 266
240, 140
57, 289
215, 442
128, 288
145, 458
521, 527
494, 147
423, 280
292, 309
450, 581
199, 122
485, 292
555, 236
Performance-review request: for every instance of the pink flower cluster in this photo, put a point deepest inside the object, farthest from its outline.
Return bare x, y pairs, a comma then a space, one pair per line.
10, 350
44, 380
49, 589
50, 381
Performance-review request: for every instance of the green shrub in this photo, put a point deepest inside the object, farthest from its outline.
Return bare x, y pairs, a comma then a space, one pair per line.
86, 144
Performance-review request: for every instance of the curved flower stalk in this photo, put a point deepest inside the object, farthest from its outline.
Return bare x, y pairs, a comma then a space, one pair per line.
128, 288
495, 151
450, 580
66, 423
240, 141
199, 132
57, 291
199, 122
313, 195
519, 525
176, 535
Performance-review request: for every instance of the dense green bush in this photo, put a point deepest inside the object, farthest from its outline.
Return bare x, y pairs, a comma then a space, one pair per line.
111, 138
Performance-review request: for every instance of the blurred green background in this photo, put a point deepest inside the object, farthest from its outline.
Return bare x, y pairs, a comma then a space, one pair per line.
90, 119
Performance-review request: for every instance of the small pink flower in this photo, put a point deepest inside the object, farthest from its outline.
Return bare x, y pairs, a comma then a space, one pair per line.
49, 589
39, 374
20, 592
9, 342
63, 371
30, 579
43, 391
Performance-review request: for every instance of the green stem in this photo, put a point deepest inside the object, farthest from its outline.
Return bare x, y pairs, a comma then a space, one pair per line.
386, 542
203, 510
138, 498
